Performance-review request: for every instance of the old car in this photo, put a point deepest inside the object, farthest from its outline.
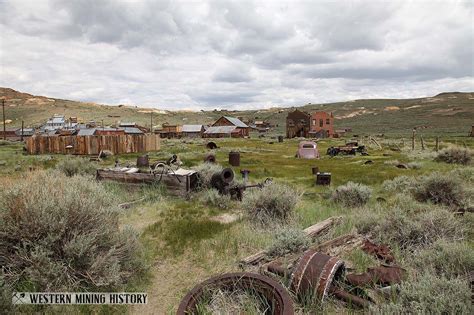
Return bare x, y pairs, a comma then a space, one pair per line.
307, 150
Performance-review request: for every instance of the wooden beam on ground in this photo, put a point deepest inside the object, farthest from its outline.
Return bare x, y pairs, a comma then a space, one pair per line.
312, 231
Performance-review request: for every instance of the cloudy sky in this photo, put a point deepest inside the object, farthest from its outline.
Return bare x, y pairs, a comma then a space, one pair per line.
235, 54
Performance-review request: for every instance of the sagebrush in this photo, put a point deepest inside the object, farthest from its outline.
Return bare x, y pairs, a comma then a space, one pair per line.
352, 194
288, 240
274, 201
206, 170
455, 155
211, 197
440, 189
62, 233
76, 166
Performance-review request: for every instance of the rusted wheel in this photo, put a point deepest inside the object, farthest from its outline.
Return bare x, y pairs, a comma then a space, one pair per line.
275, 294
314, 274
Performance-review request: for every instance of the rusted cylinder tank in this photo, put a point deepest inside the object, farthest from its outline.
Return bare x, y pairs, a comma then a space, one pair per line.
280, 138
315, 170
274, 294
234, 158
142, 161
314, 274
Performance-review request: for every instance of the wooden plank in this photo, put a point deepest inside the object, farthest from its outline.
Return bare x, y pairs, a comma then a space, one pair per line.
312, 231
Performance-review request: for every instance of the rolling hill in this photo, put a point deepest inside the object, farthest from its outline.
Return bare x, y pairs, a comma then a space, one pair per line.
445, 113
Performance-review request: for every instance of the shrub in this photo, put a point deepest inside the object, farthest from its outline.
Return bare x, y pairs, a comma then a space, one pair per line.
211, 197
4, 142
465, 174
352, 194
450, 259
206, 170
60, 233
288, 240
399, 184
275, 201
76, 166
440, 189
414, 165
455, 155
410, 230
429, 294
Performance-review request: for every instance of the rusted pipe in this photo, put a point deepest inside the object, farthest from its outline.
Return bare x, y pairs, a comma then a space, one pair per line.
351, 299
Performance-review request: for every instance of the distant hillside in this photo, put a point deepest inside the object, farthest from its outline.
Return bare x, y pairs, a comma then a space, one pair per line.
444, 113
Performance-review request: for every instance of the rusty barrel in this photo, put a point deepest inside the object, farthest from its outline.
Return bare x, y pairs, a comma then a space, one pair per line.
314, 274
268, 289
234, 158
315, 170
142, 161
280, 138
210, 158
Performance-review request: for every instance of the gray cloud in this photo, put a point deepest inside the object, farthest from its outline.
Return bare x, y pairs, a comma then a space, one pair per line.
236, 54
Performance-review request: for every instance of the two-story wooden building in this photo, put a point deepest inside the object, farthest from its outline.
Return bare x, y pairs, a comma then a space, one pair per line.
298, 124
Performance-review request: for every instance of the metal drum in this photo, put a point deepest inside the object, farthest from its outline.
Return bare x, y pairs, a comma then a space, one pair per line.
234, 158
314, 274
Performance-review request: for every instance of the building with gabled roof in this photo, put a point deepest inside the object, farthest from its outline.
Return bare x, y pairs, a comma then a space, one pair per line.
242, 130
192, 131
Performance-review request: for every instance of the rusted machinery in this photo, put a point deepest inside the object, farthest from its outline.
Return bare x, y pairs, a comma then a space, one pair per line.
350, 148
316, 275
273, 294
224, 183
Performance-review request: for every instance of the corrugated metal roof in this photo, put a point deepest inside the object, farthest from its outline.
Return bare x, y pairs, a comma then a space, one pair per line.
133, 130
236, 122
192, 128
86, 132
220, 129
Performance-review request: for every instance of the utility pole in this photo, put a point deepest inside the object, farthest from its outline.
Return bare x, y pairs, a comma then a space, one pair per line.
151, 122
22, 127
4, 125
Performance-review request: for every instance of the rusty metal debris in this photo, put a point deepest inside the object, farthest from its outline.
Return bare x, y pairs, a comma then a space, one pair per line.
210, 158
234, 158
211, 145
315, 272
382, 252
382, 275
315, 170
274, 293
223, 183
323, 178
350, 148
143, 161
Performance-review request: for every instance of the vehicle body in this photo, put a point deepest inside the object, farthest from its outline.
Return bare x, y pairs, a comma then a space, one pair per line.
307, 150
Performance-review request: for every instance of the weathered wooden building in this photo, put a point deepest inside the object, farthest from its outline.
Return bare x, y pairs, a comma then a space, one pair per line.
241, 129
192, 131
91, 145
170, 131
298, 124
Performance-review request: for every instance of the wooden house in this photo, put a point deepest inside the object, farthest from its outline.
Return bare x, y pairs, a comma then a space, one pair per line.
193, 131
171, 131
241, 129
298, 124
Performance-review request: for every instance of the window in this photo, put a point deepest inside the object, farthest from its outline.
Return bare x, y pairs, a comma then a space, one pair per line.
321, 123
314, 122
328, 121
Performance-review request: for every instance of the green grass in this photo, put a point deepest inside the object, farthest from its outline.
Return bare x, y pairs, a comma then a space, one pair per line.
185, 245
